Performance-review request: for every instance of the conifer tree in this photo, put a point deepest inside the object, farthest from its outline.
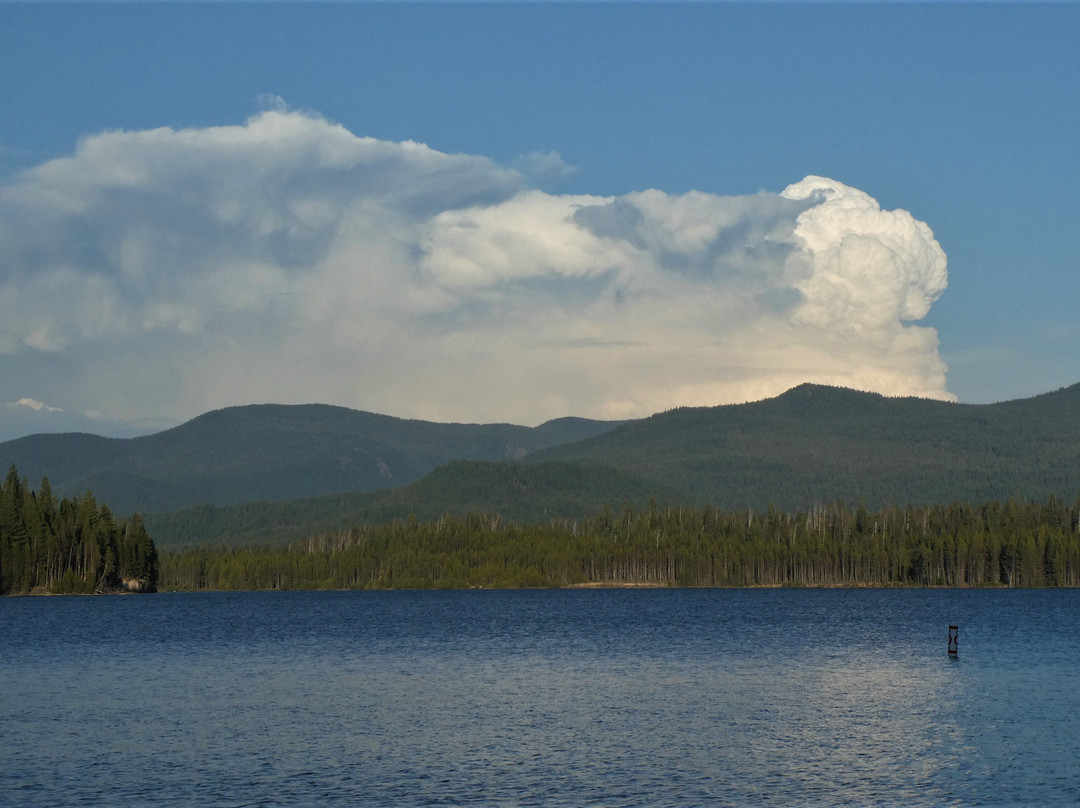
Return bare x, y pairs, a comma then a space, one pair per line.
67, 546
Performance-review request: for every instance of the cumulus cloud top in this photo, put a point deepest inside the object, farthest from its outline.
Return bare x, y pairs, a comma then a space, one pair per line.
287, 259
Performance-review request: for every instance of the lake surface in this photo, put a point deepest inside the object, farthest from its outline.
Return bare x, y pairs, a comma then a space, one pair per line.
541, 698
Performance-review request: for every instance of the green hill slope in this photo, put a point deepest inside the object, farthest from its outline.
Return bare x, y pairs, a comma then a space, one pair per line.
270, 452
533, 493
815, 444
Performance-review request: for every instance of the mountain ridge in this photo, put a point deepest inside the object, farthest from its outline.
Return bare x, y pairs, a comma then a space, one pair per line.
811, 444
270, 451
817, 443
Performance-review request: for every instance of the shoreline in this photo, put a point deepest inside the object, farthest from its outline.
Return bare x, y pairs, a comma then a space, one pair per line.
39, 593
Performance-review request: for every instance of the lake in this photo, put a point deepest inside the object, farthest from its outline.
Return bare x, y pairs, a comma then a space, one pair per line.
541, 698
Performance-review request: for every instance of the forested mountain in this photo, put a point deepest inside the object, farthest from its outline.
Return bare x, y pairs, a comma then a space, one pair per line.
809, 446
816, 444
515, 491
271, 452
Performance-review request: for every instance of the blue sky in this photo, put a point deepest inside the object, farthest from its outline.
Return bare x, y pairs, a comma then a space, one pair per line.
963, 115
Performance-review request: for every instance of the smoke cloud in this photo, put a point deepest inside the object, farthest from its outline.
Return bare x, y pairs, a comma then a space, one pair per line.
169, 272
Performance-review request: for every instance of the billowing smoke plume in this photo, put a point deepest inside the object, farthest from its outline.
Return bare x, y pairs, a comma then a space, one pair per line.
170, 272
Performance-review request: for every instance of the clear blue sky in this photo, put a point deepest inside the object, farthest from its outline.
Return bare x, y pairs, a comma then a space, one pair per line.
966, 115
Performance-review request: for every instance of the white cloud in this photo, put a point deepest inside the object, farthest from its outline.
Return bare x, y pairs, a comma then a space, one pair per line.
286, 259
35, 405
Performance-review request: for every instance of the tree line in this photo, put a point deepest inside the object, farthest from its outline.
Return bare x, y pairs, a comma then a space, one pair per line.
988, 544
69, 546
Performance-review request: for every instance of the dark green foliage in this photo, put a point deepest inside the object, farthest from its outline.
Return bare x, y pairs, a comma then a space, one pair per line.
523, 493
992, 544
272, 452
71, 546
815, 444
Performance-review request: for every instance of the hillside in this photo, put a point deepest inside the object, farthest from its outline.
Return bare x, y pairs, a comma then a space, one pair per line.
270, 452
271, 472
815, 444
534, 493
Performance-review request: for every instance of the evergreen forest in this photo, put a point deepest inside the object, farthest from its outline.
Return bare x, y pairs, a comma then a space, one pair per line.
70, 546
991, 544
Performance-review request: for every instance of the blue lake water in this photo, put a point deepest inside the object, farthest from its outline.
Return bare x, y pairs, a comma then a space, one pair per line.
541, 698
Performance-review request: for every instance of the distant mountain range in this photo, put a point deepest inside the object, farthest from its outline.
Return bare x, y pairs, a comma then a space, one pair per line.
270, 452
810, 445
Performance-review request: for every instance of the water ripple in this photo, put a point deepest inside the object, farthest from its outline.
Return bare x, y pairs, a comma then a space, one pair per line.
548, 699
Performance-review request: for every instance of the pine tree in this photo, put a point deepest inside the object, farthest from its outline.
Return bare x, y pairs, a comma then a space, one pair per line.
67, 546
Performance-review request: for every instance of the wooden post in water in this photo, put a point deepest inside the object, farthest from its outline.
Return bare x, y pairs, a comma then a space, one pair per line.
954, 640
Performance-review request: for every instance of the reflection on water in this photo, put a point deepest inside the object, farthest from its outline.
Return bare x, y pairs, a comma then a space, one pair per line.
554, 698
